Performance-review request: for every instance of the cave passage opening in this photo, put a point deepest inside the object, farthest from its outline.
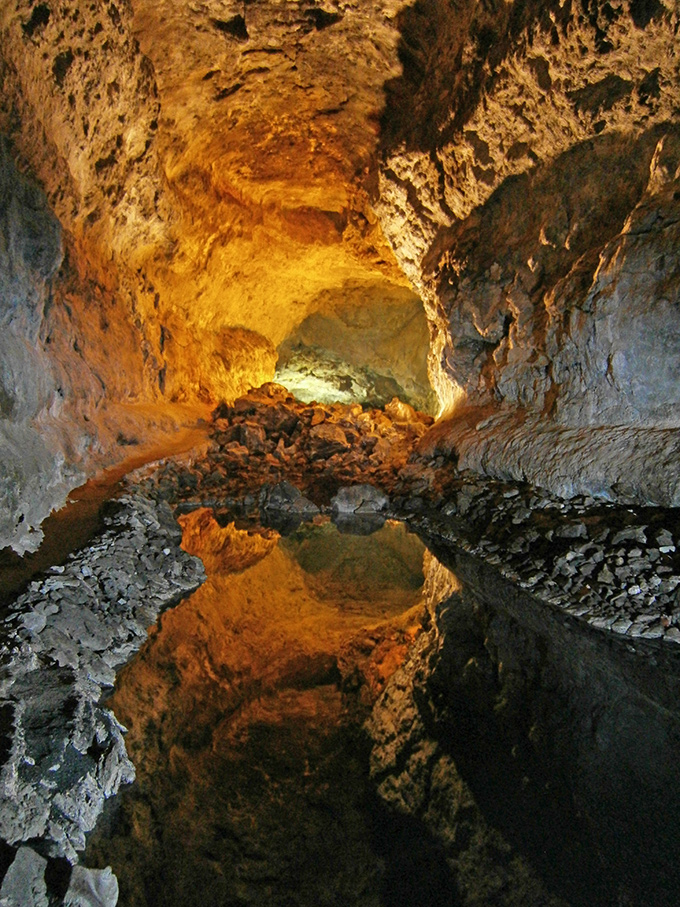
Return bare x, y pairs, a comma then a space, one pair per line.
362, 345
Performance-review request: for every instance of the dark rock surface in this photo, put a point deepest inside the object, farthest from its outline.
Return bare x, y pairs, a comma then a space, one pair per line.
580, 561
63, 639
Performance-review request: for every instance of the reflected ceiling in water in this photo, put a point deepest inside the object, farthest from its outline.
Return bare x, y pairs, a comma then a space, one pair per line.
244, 713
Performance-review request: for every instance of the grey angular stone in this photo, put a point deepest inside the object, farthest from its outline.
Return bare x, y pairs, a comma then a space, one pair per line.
636, 533
286, 498
572, 531
359, 499
24, 882
33, 621
664, 538
92, 888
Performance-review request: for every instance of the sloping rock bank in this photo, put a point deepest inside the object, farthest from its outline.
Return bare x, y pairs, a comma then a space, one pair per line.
63, 752
612, 566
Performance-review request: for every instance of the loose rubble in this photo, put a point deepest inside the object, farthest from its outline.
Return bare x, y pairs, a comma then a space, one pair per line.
267, 436
64, 638
616, 567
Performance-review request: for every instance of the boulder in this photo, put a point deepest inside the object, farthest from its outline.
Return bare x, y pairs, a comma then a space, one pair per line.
360, 499
24, 883
286, 498
92, 888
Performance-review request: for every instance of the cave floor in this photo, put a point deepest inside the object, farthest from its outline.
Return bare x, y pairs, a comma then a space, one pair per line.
246, 708
73, 525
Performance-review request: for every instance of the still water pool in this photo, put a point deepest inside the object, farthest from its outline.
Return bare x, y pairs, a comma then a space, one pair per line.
246, 714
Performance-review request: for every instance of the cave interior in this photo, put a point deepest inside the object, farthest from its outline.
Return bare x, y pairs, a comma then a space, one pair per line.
279, 249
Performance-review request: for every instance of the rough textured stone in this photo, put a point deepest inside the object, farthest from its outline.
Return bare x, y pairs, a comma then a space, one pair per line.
529, 189
521, 158
287, 498
152, 304
92, 888
359, 499
24, 882
65, 753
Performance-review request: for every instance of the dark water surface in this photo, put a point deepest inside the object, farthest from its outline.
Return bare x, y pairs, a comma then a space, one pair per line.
245, 712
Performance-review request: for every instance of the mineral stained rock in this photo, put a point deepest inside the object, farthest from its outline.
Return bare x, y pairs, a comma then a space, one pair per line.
230, 184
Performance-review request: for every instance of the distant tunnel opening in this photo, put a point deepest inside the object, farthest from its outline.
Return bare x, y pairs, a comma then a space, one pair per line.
360, 346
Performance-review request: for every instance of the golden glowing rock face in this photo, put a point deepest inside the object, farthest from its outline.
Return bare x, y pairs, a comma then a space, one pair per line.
208, 167
268, 121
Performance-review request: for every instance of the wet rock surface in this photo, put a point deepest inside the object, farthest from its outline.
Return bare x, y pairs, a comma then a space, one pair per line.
63, 640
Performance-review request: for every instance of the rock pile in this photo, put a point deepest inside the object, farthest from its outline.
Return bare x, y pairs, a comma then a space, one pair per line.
63, 754
616, 567
267, 435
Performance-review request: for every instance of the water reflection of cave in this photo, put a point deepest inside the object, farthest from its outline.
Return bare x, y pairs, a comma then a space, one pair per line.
244, 712
359, 347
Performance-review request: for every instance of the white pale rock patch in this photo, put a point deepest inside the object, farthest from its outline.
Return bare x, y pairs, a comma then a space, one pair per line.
24, 883
92, 888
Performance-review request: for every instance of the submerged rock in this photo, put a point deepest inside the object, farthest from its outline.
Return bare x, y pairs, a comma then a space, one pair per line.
24, 884
92, 888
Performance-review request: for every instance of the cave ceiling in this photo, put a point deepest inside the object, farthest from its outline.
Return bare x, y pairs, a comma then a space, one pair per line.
226, 181
233, 165
220, 150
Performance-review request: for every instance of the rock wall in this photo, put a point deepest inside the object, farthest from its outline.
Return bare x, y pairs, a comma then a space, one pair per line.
381, 338
78, 109
202, 219
529, 187
59, 332
31, 252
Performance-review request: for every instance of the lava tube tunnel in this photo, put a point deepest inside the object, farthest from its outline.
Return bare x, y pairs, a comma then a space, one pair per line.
339, 453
